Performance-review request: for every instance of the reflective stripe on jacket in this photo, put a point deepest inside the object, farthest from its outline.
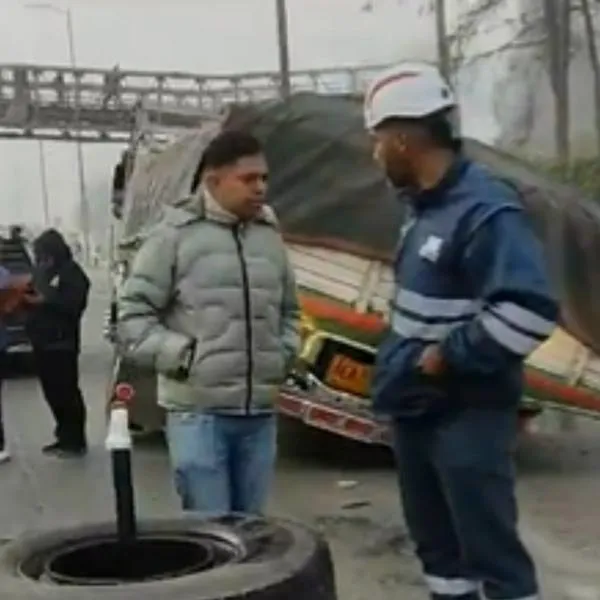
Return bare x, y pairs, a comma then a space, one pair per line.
470, 277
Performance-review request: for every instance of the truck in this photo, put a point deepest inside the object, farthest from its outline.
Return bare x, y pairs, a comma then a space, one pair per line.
340, 221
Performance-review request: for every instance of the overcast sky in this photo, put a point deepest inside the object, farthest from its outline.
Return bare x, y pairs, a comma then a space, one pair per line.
203, 36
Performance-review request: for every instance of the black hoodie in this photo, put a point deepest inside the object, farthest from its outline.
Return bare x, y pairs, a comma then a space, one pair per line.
55, 323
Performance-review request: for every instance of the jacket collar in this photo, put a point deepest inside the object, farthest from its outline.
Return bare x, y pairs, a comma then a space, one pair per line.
203, 206
420, 200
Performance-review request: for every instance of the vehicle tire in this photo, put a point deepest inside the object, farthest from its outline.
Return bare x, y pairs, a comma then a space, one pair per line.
269, 559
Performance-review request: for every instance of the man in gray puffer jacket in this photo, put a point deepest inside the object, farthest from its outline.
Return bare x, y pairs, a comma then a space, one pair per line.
211, 304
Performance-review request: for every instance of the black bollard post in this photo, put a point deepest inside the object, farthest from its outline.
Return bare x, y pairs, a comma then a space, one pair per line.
118, 443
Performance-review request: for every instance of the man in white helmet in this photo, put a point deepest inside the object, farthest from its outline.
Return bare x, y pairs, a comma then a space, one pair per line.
472, 300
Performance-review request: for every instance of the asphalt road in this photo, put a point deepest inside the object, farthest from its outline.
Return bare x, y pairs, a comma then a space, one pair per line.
346, 490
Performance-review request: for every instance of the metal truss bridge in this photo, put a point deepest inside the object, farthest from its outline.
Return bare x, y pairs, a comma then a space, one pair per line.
47, 102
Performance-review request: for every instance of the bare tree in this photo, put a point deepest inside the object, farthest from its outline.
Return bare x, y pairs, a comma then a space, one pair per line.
527, 30
544, 24
557, 20
592, 46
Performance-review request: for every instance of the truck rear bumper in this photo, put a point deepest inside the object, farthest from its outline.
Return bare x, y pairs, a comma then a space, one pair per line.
346, 415
338, 413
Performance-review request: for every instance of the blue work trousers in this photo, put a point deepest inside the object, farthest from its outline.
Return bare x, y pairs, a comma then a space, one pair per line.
457, 487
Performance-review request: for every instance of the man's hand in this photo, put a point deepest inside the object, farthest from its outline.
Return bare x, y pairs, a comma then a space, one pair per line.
20, 282
432, 362
182, 373
33, 299
12, 296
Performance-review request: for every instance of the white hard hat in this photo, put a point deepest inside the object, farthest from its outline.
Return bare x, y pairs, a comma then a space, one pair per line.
407, 90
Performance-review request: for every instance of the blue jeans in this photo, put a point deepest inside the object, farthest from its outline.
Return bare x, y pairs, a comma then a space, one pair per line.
222, 463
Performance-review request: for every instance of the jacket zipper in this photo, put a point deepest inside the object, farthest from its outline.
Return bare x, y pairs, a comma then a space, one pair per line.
248, 315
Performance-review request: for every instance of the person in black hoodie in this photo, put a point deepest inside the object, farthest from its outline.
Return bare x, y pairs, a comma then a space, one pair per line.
54, 326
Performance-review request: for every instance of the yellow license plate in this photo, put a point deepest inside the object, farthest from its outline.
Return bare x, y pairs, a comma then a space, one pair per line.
348, 375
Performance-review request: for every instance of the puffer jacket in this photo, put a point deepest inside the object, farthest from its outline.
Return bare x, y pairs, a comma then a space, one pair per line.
202, 279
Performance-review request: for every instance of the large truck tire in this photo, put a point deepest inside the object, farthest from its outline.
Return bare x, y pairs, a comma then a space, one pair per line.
189, 558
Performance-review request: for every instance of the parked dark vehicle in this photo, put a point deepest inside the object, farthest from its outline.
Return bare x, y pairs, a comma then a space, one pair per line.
16, 256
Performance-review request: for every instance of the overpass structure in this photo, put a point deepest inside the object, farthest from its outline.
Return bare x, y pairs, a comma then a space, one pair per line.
48, 102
